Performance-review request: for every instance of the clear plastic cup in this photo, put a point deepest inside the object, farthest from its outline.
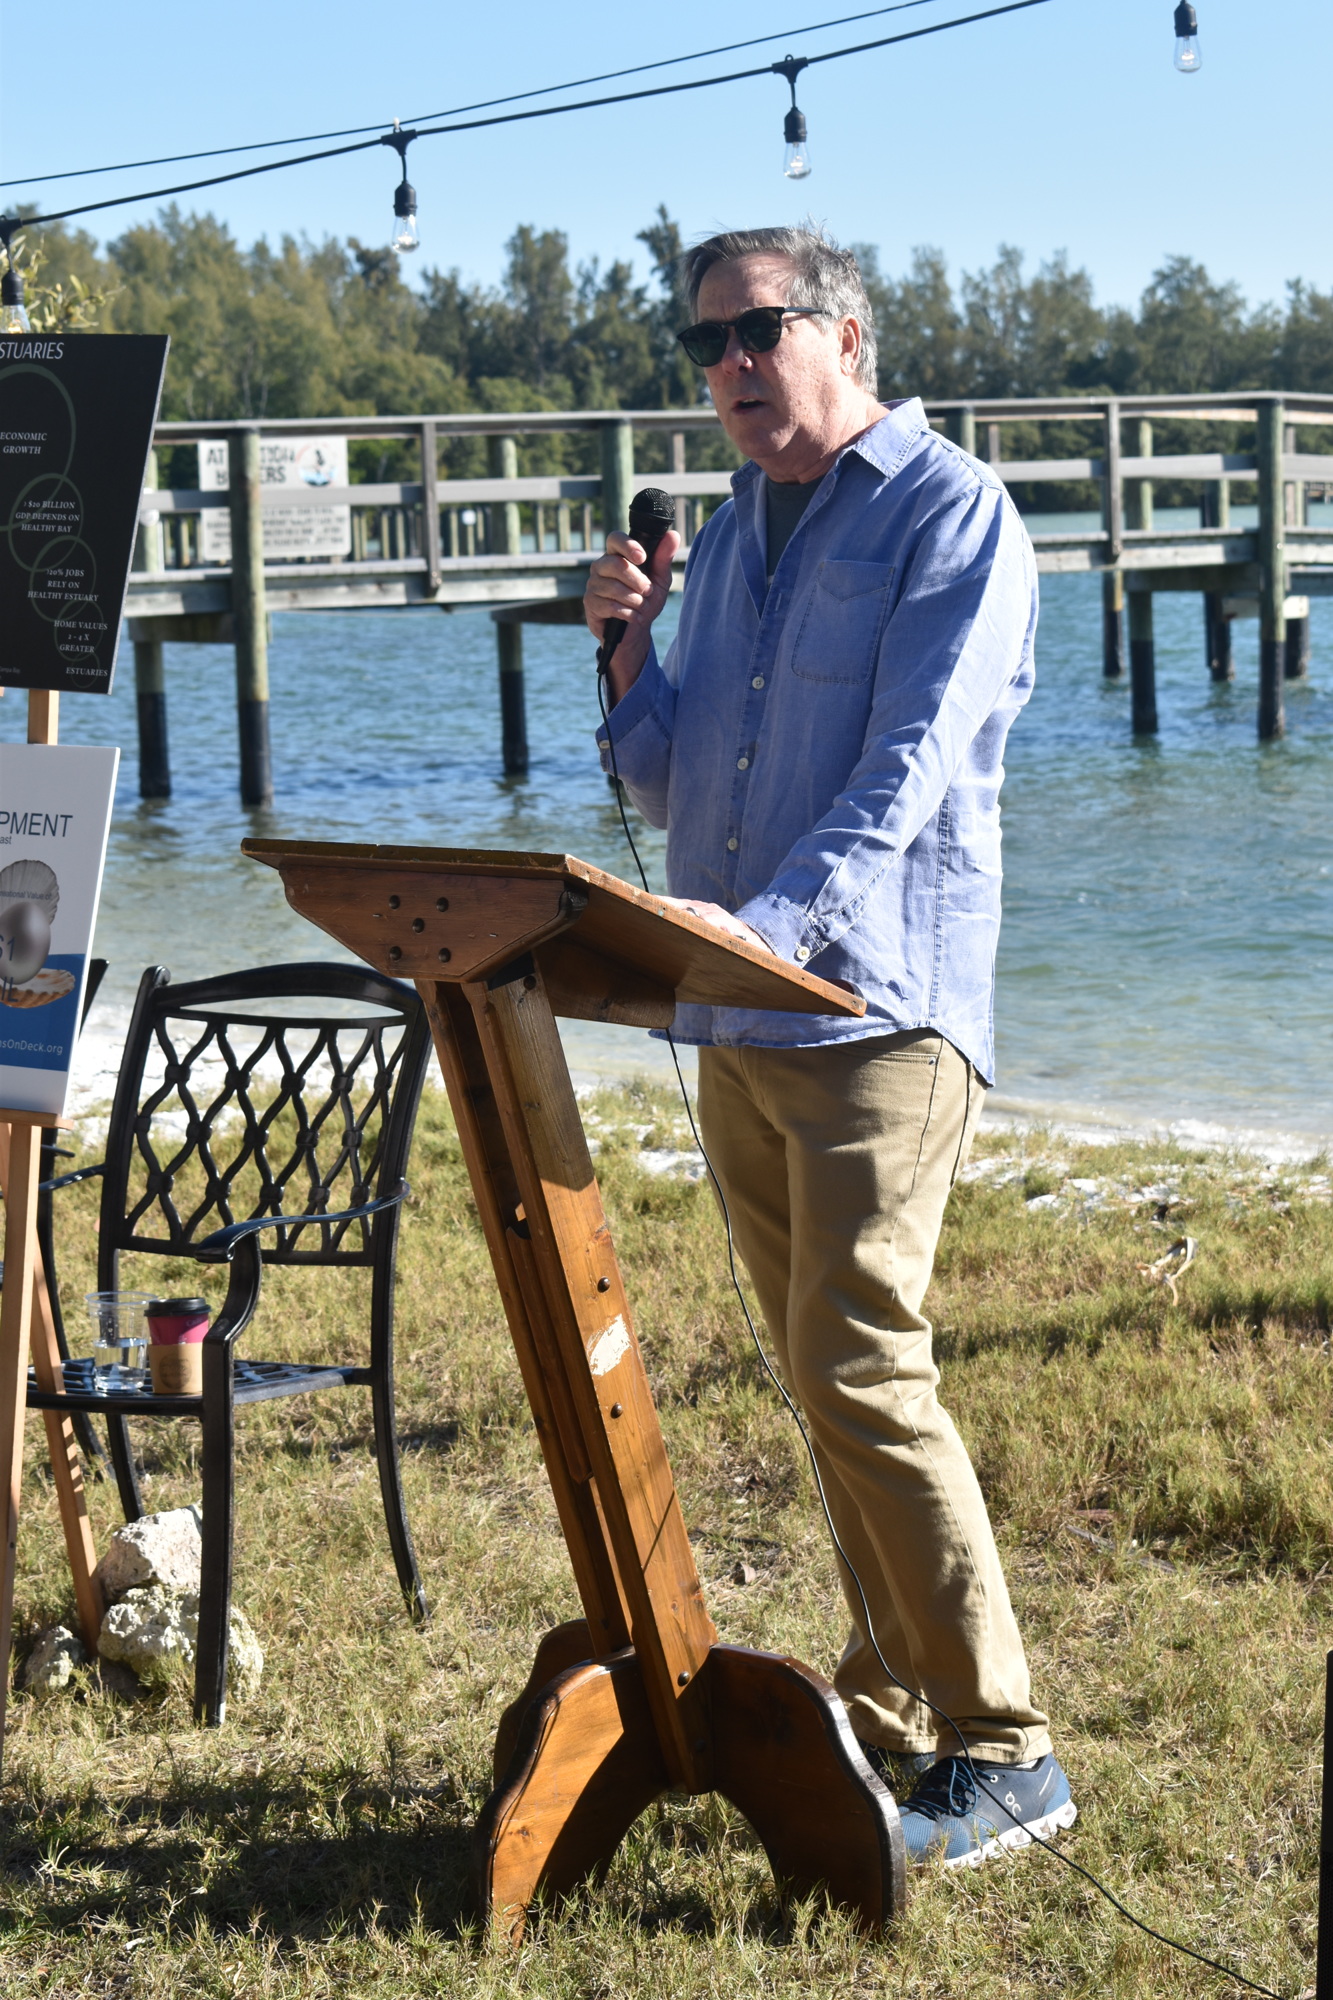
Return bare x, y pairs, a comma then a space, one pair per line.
120, 1337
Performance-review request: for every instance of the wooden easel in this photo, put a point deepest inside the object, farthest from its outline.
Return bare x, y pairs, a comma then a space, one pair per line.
26, 1325
637, 1697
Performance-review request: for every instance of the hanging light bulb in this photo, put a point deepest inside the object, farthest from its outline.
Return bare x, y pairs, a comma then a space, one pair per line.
13, 312
405, 234
1188, 59
796, 156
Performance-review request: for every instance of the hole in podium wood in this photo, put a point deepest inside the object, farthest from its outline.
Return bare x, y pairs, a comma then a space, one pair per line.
445, 954
395, 902
418, 923
441, 902
395, 951
530, 982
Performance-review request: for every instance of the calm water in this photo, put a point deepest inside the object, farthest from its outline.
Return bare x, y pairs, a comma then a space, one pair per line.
1167, 950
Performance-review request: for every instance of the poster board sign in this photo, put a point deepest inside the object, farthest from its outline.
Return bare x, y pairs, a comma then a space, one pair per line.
288, 531
55, 813
77, 412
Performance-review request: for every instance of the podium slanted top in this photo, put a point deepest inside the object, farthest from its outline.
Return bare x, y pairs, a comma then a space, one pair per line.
606, 951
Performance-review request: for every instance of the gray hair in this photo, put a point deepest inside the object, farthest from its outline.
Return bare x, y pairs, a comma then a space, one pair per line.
823, 275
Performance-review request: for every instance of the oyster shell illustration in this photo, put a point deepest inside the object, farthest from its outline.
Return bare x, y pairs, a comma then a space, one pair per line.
30, 881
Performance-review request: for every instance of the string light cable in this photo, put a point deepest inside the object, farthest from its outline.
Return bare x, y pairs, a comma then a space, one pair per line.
517, 117
483, 104
797, 1417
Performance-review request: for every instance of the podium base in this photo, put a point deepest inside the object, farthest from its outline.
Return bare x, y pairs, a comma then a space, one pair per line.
579, 1761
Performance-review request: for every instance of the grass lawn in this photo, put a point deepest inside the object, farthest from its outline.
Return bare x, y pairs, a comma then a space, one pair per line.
1161, 1478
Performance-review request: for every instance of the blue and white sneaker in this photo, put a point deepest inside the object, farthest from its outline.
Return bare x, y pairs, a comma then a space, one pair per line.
962, 1819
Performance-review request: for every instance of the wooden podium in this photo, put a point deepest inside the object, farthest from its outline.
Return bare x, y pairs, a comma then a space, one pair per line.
637, 1697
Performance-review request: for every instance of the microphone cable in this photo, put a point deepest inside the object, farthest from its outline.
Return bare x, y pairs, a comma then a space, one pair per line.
797, 1417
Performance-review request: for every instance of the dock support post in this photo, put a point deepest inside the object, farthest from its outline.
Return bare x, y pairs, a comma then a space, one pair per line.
513, 698
1142, 653
1215, 512
617, 473
1217, 639
430, 507
1113, 581
150, 687
962, 428
1142, 664
249, 610
502, 453
1272, 572
1296, 666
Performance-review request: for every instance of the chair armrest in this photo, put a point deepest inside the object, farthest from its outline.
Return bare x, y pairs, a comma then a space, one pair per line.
220, 1247
68, 1180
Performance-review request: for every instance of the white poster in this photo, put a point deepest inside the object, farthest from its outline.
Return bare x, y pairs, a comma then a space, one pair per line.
288, 531
55, 813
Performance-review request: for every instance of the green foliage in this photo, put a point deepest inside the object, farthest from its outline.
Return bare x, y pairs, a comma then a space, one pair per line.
74, 302
334, 328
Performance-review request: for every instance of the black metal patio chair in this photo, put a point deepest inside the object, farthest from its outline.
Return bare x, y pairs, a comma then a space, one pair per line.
276, 1100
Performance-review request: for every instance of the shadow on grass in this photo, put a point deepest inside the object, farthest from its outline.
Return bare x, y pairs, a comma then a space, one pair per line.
239, 1855
245, 1856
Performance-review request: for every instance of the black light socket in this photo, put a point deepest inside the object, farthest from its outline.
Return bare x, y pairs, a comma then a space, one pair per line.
793, 127
1187, 21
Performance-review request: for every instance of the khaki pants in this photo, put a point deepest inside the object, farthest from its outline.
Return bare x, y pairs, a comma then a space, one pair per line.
836, 1163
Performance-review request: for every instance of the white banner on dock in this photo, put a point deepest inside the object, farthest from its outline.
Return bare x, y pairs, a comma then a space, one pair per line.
55, 811
288, 531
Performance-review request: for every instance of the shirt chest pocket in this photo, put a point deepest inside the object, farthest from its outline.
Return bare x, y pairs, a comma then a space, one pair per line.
839, 625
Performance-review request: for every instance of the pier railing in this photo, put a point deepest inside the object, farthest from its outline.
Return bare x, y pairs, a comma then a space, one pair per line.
520, 544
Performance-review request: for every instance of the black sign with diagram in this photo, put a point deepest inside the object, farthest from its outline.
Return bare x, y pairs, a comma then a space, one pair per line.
76, 425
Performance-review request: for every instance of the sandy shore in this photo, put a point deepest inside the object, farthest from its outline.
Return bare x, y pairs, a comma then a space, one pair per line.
595, 1061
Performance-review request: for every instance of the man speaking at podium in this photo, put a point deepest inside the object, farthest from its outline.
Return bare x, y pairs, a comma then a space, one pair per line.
823, 744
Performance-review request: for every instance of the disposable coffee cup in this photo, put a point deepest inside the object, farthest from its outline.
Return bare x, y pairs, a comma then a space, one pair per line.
176, 1328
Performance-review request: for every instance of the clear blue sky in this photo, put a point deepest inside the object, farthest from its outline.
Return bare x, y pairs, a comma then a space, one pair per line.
1065, 127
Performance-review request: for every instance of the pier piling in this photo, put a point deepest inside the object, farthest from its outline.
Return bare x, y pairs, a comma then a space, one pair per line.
617, 474
502, 455
250, 615
1215, 512
1113, 578
1272, 572
1142, 653
150, 687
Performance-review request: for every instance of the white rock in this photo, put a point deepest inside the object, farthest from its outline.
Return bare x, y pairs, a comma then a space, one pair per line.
51, 1663
159, 1548
154, 1625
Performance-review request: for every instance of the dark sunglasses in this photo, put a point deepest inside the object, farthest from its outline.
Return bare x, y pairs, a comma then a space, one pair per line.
759, 330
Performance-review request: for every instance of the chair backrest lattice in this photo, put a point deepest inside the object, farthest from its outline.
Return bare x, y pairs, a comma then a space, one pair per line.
225, 1112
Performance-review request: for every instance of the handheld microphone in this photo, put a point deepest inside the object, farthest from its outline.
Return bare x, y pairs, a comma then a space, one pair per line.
651, 513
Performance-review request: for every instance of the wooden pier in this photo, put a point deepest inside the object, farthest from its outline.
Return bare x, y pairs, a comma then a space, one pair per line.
521, 546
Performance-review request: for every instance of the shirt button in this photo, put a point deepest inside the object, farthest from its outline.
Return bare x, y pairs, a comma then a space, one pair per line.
758, 681
732, 844
802, 951
742, 763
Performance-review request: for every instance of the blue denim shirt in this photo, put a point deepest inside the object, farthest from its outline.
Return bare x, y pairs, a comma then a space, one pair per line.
825, 750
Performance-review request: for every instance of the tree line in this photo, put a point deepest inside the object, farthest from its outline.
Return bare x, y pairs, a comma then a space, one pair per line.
335, 329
